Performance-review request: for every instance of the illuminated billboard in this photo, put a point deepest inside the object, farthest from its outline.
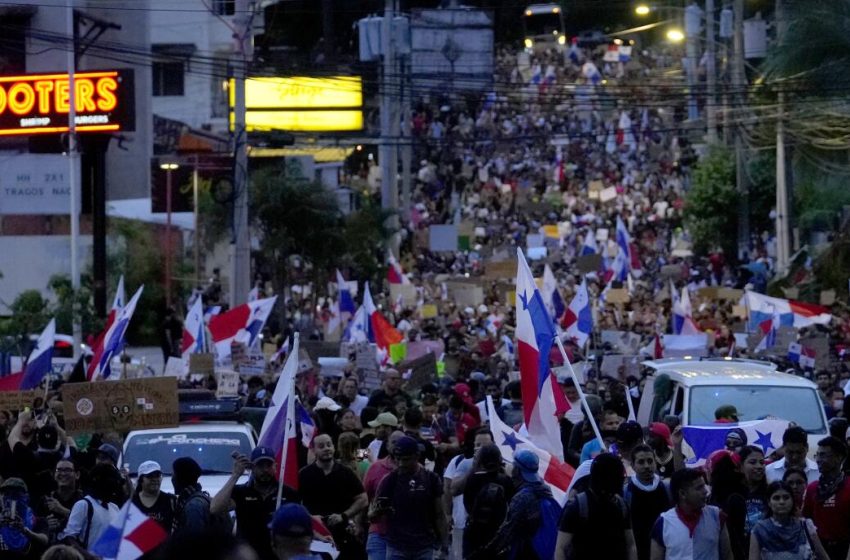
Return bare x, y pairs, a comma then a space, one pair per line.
302, 104
39, 103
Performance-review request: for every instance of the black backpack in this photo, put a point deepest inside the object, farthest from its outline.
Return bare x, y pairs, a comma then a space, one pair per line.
490, 505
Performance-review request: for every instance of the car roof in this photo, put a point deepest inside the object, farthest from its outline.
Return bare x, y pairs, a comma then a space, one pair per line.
713, 372
199, 427
537, 9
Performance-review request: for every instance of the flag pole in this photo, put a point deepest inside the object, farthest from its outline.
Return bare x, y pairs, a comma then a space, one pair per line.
290, 408
588, 415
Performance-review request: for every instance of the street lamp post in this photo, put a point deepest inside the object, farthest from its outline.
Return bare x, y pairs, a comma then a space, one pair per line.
168, 167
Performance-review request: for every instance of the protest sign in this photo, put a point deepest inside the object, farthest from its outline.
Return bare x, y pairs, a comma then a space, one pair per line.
589, 263
620, 366
175, 367
120, 406
681, 345
16, 401
827, 297
227, 384
202, 363
317, 348
407, 292
617, 295
820, 344
500, 269
671, 272
607, 195
422, 370
534, 240
442, 237
621, 341
428, 311
254, 363
421, 347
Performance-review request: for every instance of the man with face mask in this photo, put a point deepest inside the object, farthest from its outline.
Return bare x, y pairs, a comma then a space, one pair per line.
255, 500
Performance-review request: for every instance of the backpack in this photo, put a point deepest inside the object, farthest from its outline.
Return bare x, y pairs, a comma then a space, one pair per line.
489, 506
584, 508
543, 541
220, 522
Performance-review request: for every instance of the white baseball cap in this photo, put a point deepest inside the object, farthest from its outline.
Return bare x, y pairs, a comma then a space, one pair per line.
149, 467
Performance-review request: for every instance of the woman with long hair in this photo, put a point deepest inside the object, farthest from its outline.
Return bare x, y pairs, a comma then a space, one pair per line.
348, 447
782, 535
796, 479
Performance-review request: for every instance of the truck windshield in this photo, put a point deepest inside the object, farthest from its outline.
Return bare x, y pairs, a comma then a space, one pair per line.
800, 405
212, 450
542, 24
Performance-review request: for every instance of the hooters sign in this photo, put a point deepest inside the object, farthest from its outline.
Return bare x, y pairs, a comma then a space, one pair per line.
40, 103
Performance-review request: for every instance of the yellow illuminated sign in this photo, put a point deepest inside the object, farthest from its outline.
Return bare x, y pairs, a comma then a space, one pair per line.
303, 103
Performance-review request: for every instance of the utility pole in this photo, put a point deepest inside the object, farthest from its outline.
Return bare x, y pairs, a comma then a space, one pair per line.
783, 246
407, 146
240, 269
693, 15
739, 81
388, 149
711, 73
73, 167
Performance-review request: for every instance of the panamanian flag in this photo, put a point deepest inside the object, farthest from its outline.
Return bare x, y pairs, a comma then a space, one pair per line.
701, 441
130, 535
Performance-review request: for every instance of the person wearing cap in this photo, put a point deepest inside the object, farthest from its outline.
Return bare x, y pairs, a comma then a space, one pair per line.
384, 398
292, 532
409, 499
383, 424
486, 482
254, 501
658, 437
108, 454
149, 497
725, 414
334, 492
455, 476
523, 518
192, 510
596, 523
21, 533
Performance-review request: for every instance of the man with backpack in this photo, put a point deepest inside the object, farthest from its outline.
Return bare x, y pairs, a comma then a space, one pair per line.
91, 516
647, 496
531, 523
192, 512
485, 497
596, 523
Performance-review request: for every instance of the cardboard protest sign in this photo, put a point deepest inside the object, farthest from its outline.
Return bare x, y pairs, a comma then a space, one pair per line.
827, 297
671, 272
466, 295
227, 384
500, 269
202, 363
16, 401
428, 311
421, 347
120, 406
617, 295
607, 195
589, 263
174, 367
418, 372
407, 293
365, 363
253, 363
318, 348
620, 366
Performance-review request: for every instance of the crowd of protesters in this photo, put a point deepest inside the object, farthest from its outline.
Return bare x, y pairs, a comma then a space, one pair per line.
394, 474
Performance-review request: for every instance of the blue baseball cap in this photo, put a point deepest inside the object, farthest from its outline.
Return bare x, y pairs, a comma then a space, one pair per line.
528, 463
292, 520
262, 454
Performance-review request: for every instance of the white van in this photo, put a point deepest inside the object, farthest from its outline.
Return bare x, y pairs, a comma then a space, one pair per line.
756, 389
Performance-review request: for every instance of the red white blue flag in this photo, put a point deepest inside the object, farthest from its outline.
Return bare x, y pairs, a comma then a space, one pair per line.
113, 340
578, 319
130, 535
543, 402
243, 323
97, 347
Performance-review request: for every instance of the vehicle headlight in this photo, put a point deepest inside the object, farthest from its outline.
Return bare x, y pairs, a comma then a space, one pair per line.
562, 39
529, 43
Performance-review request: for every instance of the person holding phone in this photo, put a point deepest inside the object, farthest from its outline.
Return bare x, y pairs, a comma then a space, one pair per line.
19, 533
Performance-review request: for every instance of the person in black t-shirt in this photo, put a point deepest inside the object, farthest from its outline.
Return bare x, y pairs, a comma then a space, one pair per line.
596, 523
55, 508
647, 496
152, 501
332, 491
485, 503
254, 501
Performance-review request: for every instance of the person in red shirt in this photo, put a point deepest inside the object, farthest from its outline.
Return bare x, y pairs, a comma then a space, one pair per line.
827, 501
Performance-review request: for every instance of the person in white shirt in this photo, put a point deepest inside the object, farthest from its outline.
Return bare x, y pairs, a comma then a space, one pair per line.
796, 445
492, 388
92, 515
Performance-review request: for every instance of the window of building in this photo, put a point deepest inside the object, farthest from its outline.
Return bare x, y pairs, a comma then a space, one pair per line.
168, 78
224, 7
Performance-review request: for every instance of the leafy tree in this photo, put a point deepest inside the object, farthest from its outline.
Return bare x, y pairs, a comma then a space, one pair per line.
711, 204
29, 314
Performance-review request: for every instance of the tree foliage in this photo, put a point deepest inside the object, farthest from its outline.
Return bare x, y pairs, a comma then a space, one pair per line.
712, 203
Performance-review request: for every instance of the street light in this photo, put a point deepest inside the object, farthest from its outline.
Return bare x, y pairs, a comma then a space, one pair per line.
675, 36
168, 167
642, 10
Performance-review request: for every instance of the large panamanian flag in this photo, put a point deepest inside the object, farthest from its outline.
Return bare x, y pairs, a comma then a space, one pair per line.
243, 323
113, 341
554, 472
278, 431
131, 535
791, 313
543, 402
97, 348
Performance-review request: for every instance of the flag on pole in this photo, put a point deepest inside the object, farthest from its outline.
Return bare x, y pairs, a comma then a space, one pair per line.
278, 431
768, 329
791, 313
381, 332
395, 275
578, 319
308, 428
194, 331
624, 240
551, 296
254, 294
554, 472
589, 246
543, 402
113, 341
97, 347
131, 535
346, 302
618, 268
243, 323
38, 364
